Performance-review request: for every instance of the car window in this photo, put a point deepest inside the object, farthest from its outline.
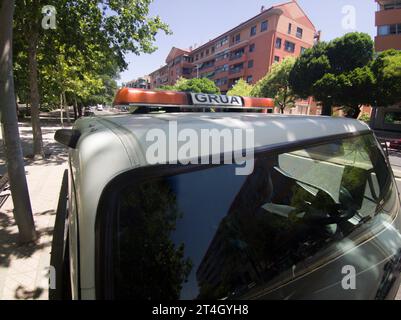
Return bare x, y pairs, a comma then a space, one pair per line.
210, 234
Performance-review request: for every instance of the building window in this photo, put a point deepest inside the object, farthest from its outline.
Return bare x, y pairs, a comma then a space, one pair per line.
289, 46
276, 59
221, 69
289, 28
237, 38
250, 64
237, 54
249, 79
396, 4
221, 82
253, 31
201, 55
207, 52
389, 29
264, 26
392, 118
303, 50
222, 42
213, 49
222, 55
278, 43
235, 68
383, 30
299, 33
197, 57
252, 47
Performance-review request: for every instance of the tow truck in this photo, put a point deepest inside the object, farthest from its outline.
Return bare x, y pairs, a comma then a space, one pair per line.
150, 214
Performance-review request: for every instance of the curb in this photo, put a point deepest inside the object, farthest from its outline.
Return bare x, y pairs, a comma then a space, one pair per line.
397, 173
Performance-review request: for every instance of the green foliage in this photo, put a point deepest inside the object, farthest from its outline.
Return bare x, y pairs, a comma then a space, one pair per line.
387, 70
351, 89
83, 56
337, 73
353, 50
201, 85
309, 68
365, 118
167, 87
241, 88
276, 85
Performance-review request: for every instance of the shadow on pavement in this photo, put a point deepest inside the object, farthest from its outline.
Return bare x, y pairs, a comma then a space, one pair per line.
21, 293
9, 247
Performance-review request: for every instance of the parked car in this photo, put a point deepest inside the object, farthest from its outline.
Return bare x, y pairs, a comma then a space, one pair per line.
318, 216
99, 107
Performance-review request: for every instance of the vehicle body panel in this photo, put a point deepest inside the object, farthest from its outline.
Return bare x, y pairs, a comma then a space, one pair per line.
112, 145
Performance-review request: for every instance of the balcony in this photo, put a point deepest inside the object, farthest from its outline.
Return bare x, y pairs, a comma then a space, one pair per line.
392, 41
236, 72
388, 17
388, 4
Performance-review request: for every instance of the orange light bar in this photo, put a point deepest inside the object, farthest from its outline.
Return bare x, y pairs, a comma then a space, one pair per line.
134, 96
258, 102
142, 96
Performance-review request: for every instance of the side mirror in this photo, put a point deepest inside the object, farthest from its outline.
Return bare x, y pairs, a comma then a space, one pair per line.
67, 137
345, 198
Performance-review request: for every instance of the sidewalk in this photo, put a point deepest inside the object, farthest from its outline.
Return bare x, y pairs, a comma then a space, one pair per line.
24, 269
395, 161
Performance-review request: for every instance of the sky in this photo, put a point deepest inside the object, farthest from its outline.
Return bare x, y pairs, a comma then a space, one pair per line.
198, 21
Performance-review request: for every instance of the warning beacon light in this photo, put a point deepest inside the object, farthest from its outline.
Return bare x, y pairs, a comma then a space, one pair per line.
172, 101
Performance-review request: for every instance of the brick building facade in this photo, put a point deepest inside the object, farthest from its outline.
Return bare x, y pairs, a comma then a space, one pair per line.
246, 51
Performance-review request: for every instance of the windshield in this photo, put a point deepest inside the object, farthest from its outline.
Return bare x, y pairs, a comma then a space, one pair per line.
210, 234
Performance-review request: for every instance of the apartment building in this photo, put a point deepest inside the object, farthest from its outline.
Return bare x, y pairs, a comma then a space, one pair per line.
142, 83
388, 23
246, 51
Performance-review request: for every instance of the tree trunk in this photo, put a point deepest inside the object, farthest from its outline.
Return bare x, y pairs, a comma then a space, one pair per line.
66, 108
326, 109
79, 110
75, 109
14, 156
34, 94
61, 110
356, 112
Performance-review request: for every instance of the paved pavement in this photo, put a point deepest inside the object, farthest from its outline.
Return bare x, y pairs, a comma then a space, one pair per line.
24, 269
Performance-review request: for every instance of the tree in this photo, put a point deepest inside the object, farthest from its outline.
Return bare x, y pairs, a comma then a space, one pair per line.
329, 70
198, 85
311, 66
351, 90
241, 88
15, 163
387, 71
276, 85
113, 28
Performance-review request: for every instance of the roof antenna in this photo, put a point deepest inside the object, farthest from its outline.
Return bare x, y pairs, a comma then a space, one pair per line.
262, 9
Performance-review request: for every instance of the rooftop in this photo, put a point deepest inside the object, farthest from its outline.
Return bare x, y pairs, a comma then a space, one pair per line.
131, 131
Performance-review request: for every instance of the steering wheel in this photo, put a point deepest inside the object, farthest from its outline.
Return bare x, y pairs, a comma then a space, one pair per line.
338, 212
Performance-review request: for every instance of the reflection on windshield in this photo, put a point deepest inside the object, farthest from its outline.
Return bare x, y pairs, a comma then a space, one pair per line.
210, 234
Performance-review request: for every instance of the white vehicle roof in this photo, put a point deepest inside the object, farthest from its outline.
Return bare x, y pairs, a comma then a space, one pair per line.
269, 129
